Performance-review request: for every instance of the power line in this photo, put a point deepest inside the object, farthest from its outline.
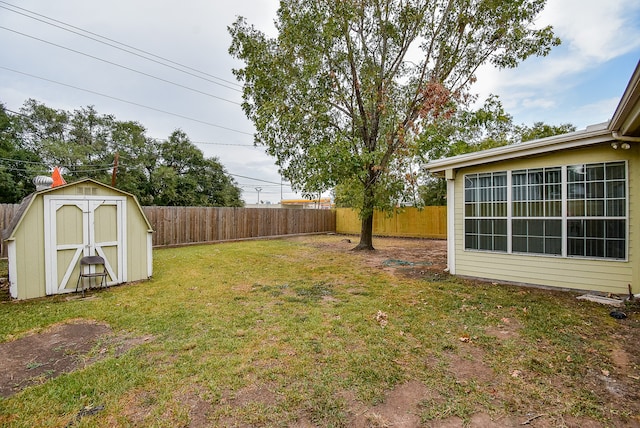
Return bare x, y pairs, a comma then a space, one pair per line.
213, 143
101, 167
126, 101
123, 44
120, 65
257, 179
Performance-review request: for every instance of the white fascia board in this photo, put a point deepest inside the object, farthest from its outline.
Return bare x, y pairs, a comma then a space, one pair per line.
592, 135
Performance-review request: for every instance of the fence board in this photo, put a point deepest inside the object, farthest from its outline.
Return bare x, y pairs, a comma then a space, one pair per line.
428, 222
7, 212
188, 225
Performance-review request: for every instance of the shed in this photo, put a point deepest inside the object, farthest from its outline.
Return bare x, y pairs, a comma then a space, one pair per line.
54, 228
562, 211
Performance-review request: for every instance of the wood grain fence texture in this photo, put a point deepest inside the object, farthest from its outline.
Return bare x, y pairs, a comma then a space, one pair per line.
189, 225
7, 212
410, 222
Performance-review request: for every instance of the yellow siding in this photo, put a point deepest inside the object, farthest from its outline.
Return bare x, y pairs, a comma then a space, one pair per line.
410, 222
583, 274
88, 189
69, 231
634, 215
30, 253
105, 217
137, 253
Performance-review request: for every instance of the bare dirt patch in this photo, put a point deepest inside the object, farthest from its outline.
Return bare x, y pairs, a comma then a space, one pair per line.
415, 258
36, 358
256, 394
467, 365
507, 329
400, 408
62, 348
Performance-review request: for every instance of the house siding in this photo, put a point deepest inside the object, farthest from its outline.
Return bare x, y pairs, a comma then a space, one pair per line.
610, 276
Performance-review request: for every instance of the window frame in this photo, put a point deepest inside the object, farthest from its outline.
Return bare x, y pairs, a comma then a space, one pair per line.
607, 221
489, 205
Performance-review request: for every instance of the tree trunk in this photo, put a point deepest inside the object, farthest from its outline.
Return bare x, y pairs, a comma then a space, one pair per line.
366, 232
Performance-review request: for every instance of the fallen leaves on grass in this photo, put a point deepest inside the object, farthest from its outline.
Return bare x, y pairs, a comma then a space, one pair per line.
382, 319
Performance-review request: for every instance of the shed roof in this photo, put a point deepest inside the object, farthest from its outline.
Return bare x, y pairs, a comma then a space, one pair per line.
7, 234
625, 125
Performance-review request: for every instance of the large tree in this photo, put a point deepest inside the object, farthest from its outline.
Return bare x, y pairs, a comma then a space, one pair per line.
85, 143
17, 165
337, 96
184, 177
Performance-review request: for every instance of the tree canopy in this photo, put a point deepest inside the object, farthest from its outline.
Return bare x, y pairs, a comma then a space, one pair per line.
339, 96
85, 143
469, 130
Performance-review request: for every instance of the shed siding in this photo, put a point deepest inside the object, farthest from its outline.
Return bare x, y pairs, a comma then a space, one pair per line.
30, 250
88, 189
137, 254
602, 275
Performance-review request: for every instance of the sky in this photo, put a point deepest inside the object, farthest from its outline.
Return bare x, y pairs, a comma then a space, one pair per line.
579, 82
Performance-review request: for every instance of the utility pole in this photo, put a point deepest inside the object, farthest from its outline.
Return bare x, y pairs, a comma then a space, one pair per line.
258, 189
116, 157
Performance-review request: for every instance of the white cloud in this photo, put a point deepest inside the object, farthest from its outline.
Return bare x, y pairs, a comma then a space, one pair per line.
593, 33
594, 30
533, 102
593, 113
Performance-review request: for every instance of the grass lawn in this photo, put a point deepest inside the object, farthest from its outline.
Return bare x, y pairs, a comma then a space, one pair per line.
303, 332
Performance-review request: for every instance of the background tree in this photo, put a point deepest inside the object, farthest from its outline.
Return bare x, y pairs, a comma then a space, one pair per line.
84, 143
340, 94
185, 177
137, 159
17, 165
467, 131
542, 130
76, 141
473, 130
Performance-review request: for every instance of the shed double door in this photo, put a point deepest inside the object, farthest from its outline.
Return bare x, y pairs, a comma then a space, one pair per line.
83, 226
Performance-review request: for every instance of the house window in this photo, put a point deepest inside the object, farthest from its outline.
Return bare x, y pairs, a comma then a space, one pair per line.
573, 211
537, 211
486, 211
596, 210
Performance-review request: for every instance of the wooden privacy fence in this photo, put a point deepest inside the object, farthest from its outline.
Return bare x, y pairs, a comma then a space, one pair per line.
428, 222
187, 225
7, 212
